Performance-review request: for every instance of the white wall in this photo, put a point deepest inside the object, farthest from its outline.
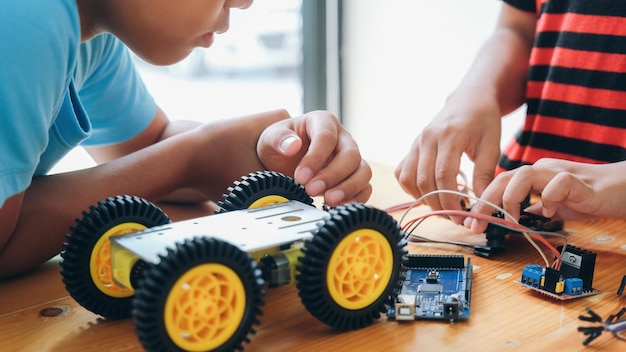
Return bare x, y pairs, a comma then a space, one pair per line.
401, 60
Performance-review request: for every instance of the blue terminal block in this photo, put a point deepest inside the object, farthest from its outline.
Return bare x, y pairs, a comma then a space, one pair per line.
573, 286
532, 275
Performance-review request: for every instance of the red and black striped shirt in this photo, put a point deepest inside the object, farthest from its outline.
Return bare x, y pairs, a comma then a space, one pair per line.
576, 90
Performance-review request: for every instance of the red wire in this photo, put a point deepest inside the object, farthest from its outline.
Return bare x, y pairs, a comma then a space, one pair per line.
489, 219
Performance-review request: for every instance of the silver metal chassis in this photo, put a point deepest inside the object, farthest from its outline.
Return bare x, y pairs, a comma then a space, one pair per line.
250, 229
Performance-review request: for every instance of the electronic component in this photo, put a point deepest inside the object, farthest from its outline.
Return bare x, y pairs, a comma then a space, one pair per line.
435, 287
572, 279
496, 235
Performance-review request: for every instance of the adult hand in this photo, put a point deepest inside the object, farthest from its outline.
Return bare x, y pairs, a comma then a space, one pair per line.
470, 124
320, 154
569, 190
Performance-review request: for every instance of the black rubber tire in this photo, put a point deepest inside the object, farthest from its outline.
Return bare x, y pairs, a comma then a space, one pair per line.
314, 266
79, 245
157, 284
261, 184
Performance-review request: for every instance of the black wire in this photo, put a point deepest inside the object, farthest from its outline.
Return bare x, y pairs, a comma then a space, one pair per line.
622, 286
593, 332
592, 317
412, 238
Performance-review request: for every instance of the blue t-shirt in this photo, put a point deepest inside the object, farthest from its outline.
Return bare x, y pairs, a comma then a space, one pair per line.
57, 93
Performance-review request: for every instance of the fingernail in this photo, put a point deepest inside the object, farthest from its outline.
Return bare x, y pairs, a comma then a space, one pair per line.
284, 145
474, 226
335, 197
315, 188
303, 176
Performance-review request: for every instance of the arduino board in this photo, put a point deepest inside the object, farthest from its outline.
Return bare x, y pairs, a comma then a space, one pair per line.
436, 287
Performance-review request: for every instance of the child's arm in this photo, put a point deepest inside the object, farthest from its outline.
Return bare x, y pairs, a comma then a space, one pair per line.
161, 128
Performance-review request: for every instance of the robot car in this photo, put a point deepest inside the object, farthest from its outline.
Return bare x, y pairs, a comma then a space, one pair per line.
197, 285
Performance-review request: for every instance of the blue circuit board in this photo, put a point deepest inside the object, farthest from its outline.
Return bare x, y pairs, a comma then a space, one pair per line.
435, 287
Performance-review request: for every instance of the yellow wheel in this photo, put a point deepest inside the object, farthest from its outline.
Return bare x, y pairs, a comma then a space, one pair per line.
205, 307
360, 269
100, 263
267, 200
263, 188
86, 254
351, 266
204, 295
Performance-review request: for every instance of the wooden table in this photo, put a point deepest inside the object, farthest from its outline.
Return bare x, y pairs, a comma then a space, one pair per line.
37, 314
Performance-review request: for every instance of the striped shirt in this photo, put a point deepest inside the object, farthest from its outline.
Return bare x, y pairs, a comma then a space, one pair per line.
576, 89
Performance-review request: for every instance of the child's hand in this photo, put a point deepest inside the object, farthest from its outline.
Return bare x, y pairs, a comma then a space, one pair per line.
470, 124
569, 190
320, 154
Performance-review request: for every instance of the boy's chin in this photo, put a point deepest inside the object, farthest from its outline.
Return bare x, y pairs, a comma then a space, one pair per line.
163, 58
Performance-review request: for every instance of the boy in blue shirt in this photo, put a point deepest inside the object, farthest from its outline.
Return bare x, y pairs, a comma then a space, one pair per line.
68, 80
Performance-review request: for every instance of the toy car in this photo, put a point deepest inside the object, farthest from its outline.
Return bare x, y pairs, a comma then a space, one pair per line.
198, 284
